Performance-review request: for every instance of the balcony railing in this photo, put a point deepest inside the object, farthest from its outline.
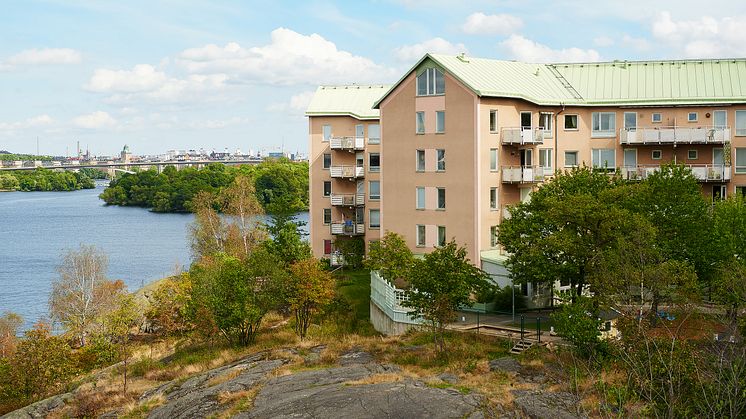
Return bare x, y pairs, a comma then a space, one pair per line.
348, 200
347, 172
675, 135
336, 259
347, 143
522, 174
703, 172
391, 300
347, 228
521, 136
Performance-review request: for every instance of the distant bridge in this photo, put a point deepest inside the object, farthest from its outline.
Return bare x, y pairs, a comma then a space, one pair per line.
111, 167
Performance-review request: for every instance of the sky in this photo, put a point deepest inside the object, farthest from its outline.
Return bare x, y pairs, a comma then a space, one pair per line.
190, 74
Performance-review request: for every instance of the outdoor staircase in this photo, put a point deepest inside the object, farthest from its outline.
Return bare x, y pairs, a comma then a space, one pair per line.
521, 346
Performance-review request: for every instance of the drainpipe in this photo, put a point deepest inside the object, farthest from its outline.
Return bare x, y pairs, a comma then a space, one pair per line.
556, 151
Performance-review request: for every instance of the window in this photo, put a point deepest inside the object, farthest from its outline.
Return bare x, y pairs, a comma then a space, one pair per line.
545, 159
420, 235
374, 190
630, 120
327, 247
441, 160
441, 235
493, 198
740, 160
493, 159
327, 161
374, 134
741, 123
545, 123
420, 122
374, 162
375, 218
603, 124
692, 155
741, 191
692, 117
441, 198
657, 117
420, 197
571, 122
327, 188
327, 215
604, 158
656, 154
420, 160
440, 122
327, 132
526, 120
493, 236
431, 82
571, 158
493, 121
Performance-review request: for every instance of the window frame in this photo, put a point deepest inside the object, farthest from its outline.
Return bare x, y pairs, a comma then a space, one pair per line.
493, 122
493, 236
689, 117
376, 197
743, 118
323, 191
494, 163
371, 168
577, 119
431, 82
739, 169
440, 119
599, 133
420, 206
439, 191
547, 158
417, 167
494, 197
324, 165
574, 153
624, 121
370, 218
323, 216
653, 120
442, 237
419, 129
423, 241
600, 151
324, 137
440, 157
549, 116
652, 154
374, 140
689, 154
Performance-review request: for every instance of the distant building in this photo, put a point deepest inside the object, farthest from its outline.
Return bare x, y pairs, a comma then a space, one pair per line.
126, 155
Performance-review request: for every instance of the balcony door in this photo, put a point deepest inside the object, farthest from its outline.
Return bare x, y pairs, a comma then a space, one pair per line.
718, 192
718, 157
360, 215
720, 119
360, 131
526, 120
360, 189
360, 159
527, 157
630, 157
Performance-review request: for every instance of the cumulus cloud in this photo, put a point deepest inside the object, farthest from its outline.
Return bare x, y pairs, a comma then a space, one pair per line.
298, 102
702, 37
499, 24
523, 49
36, 121
603, 41
98, 119
142, 78
41, 57
290, 58
411, 53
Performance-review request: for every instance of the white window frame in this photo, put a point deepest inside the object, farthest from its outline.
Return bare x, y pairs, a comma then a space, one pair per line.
572, 152
439, 160
420, 122
548, 116
689, 117
494, 205
440, 122
370, 219
546, 154
326, 135
371, 196
603, 133
739, 168
377, 139
742, 131
372, 168
323, 161
625, 120
655, 120
531, 119
577, 120
323, 187
323, 216
689, 155
442, 237
420, 240
596, 157
431, 82
660, 154
417, 161
420, 205
493, 236
438, 192
493, 121
494, 163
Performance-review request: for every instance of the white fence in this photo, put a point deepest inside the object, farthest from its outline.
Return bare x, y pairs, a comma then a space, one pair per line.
388, 298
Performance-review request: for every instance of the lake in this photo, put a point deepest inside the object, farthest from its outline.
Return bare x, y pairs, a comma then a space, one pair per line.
36, 228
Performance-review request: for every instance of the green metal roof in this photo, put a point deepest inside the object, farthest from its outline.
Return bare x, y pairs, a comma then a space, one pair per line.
353, 100
640, 83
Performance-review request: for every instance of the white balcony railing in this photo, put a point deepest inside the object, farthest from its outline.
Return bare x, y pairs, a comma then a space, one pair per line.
703, 172
523, 174
347, 228
347, 143
389, 299
348, 200
675, 135
347, 172
336, 259
521, 136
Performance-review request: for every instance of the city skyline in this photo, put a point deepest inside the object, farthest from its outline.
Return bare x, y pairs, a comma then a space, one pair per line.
154, 77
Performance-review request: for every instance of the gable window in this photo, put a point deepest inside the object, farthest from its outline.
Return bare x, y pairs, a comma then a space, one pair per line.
420, 197
420, 160
691, 117
656, 155
657, 117
571, 158
441, 235
420, 122
431, 82
740, 160
440, 122
420, 235
604, 158
692, 155
327, 129
493, 121
441, 160
603, 124
374, 134
441, 198
327, 161
327, 188
571, 122
375, 218
741, 123
374, 190
493, 159
327, 215
493, 198
374, 162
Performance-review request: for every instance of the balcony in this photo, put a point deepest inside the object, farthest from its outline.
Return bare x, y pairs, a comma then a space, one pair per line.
347, 228
523, 136
336, 259
347, 143
347, 172
523, 174
675, 135
703, 172
348, 200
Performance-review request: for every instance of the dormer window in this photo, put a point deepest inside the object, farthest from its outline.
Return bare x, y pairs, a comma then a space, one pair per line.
431, 82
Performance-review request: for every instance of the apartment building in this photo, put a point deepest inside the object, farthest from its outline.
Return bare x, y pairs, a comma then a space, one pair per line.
345, 168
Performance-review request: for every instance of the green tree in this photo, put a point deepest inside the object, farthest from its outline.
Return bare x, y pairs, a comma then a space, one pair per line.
311, 288
579, 324
9, 325
119, 323
390, 256
286, 239
440, 284
9, 182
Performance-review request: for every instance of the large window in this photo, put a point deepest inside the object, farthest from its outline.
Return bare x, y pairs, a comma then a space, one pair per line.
493, 121
545, 159
571, 158
421, 235
420, 122
420, 197
441, 160
441, 235
740, 160
374, 162
493, 159
741, 123
374, 190
430, 82
603, 124
327, 132
630, 120
327, 188
604, 158
571, 122
493, 198
375, 218
420, 160
327, 161
440, 121
327, 215
374, 134
441, 198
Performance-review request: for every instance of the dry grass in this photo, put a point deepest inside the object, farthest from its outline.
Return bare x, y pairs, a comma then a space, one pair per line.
377, 379
240, 401
226, 376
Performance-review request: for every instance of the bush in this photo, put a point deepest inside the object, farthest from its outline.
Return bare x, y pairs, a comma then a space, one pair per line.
576, 323
503, 298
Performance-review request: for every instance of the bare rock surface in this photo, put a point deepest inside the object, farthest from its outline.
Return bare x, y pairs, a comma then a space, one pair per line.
545, 404
40, 409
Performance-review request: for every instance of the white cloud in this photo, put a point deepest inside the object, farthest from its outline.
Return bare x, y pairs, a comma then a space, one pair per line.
36, 121
98, 119
40, 57
638, 44
297, 102
523, 49
290, 58
142, 78
603, 41
411, 53
499, 24
702, 37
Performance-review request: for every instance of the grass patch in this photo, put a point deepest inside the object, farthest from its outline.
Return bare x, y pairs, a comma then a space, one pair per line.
444, 385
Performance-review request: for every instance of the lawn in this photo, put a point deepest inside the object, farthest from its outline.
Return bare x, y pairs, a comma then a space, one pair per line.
354, 286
